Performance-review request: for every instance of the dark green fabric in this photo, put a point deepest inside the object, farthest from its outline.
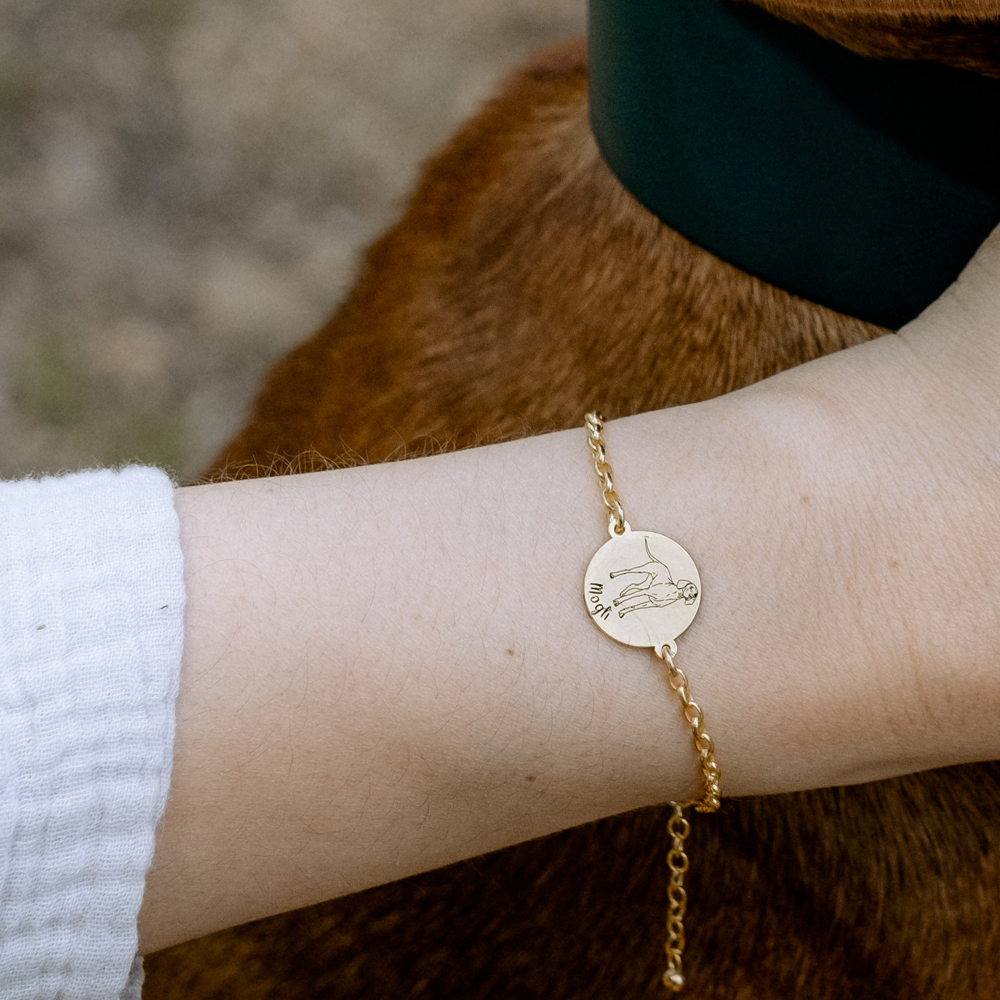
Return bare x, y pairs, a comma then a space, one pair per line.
861, 184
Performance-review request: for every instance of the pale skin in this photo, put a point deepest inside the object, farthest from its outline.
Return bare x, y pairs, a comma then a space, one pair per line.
390, 668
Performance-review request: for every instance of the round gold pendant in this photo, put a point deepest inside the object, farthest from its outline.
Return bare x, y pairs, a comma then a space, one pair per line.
642, 588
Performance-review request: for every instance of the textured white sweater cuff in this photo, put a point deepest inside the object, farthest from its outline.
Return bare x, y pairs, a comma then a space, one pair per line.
91, 628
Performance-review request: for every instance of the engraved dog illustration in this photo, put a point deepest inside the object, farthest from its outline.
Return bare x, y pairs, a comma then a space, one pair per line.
657, 589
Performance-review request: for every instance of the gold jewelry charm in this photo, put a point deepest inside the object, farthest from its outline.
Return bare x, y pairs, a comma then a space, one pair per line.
643, 589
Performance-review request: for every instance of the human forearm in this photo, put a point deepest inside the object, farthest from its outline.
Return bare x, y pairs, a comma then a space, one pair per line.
386, 672
390, 668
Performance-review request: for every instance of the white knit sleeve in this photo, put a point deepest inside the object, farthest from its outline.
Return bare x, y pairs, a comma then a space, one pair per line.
91, 626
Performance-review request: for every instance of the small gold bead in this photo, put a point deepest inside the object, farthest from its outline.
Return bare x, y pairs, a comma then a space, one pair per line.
673, 980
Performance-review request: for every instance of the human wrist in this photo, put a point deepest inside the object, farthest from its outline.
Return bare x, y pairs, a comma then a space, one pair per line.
883, 514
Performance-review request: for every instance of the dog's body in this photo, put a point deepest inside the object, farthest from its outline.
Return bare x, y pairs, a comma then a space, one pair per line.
524, 287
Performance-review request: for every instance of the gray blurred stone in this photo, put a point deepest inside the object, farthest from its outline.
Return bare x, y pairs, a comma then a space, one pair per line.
185, 186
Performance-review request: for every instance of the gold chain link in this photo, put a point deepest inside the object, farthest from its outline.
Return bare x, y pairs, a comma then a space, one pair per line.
703, 745
595, 424
677, 826
677, 864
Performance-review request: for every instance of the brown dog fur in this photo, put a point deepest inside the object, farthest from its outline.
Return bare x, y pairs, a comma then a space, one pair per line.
960, 34
523, 287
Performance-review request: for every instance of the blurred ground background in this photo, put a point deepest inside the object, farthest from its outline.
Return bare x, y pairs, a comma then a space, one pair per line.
185, 186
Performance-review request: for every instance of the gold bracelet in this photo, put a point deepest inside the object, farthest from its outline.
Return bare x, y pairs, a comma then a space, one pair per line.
643, 589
